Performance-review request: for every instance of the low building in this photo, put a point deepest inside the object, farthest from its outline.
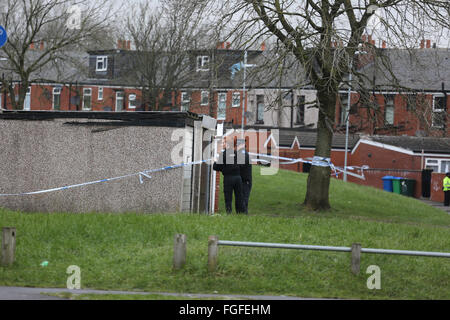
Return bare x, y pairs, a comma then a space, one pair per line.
105, 161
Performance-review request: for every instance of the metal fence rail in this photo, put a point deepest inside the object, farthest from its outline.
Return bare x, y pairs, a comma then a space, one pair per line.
355, 250
328, 248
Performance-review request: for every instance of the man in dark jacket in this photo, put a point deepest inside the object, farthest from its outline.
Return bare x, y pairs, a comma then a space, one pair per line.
232, 182
244, 162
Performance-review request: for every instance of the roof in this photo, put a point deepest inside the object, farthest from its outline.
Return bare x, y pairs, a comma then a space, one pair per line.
408, 69
415, 144
307, 139
135, 118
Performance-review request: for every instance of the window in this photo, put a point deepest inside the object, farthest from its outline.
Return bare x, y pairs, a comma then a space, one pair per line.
438, 117
101, 63
27, 101
119, 101
259, 109
344, 109
100, 93
185, 101
389, 109
438, 165
205, 98
236, 99
87, 93
57, 98
202, 63
132, 101
300, 110
222, 106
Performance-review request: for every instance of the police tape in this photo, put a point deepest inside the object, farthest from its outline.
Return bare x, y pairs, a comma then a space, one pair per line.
316, 161
140, 174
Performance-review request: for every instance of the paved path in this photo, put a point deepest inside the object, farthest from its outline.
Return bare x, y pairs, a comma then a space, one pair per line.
437, 205
25, 293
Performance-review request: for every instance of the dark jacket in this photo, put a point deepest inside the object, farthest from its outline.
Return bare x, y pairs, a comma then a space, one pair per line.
227, 163
246, 167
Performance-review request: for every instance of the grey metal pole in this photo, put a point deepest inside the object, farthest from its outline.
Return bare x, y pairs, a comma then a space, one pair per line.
244, 98
347, 115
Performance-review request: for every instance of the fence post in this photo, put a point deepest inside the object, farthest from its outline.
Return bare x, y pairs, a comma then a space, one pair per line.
356, 258
8, 245
213, 252
179, 251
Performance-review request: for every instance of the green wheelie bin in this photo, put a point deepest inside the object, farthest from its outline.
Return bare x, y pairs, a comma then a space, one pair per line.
407, 187
397, 185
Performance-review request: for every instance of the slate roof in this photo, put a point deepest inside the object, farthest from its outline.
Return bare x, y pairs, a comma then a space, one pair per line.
415, 144
307, 139
415, 69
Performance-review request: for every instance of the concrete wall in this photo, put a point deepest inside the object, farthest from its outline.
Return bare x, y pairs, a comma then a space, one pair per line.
47, 154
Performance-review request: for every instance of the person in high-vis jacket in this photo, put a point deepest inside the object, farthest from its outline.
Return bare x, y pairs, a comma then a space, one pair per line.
232, 182
446, 189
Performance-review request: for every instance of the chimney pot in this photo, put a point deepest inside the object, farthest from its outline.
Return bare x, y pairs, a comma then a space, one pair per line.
263, 46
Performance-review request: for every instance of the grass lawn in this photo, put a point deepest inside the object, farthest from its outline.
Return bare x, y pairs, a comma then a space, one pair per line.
134, 251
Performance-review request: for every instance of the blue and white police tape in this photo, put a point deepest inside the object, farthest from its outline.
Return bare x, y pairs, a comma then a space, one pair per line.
315, 161
140, 174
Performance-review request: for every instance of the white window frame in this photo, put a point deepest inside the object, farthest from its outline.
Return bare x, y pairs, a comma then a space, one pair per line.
118, 98
86, 94
56, 92
204, 98
436, 110
104, 61
389, 98
431, 163
202, 63
132, 98
234, 97
185, 101
220, 95
100, 93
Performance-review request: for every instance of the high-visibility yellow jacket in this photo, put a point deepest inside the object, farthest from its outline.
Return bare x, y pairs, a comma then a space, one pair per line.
446, 184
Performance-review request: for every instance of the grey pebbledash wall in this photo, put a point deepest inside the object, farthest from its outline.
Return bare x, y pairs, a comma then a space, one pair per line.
42, 154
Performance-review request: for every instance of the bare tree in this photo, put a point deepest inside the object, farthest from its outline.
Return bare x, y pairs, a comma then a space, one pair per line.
325, 36
44, 34
163, 37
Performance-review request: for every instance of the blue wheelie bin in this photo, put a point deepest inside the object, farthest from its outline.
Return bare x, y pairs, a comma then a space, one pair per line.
387, 183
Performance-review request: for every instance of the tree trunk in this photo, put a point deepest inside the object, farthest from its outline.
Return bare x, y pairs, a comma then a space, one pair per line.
319, 177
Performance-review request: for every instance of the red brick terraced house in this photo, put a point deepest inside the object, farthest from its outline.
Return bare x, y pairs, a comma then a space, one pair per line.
400, 92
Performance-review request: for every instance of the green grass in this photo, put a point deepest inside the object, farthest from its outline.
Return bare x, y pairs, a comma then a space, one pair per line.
134, 251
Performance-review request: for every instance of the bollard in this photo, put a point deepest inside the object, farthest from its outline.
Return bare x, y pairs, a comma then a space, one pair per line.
213, 252
356, 258
179, 251
8, 245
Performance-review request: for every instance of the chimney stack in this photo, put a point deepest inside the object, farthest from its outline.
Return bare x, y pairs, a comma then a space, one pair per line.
32, 46
263, 46
128, 45
428, 44
384, 46
422, 44
228, 45
220, 45
41, 46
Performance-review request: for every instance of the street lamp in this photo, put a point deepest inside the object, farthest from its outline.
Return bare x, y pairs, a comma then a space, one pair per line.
347, 111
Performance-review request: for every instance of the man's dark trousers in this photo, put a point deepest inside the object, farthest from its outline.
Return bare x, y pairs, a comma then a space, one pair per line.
233, 183
246, 188
446, 198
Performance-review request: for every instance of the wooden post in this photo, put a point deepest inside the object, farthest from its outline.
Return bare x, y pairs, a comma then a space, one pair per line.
179, 251
356, 258
213, 252
8, 245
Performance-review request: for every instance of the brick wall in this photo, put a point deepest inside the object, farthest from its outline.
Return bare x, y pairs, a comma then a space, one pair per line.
436, 187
